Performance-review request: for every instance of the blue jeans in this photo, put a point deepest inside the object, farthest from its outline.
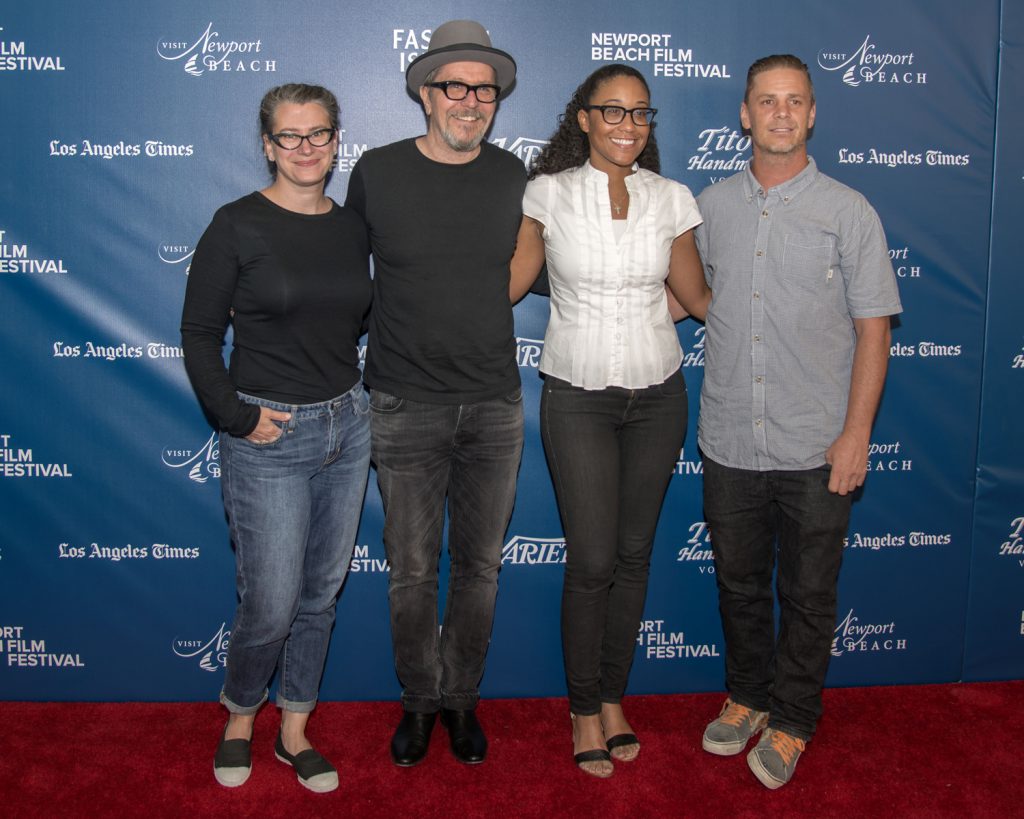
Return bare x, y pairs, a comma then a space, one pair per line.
293, 506
748, 513
424, 452
611, 453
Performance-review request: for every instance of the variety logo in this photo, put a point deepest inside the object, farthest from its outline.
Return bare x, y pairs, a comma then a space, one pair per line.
853, 636
201, 464
659, 643
23, 652
866, 64
1013, 546
14, 58
529, 351
17, 259
212, 653
667, 59
525, 148
531, 551
210, 52
720, 149
16, 462
362, 562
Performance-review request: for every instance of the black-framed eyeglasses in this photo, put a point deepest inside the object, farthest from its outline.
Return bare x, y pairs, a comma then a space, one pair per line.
456, 91
290, 141
614, 114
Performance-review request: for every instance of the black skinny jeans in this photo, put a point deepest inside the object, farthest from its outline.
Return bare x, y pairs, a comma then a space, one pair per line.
611, 453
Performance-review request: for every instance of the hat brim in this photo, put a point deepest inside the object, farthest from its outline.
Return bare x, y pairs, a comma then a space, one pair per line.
503, 64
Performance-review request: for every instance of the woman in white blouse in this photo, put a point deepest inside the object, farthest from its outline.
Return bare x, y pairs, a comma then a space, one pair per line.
614, 405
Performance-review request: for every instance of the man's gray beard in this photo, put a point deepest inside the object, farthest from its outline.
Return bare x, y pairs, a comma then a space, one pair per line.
461, 145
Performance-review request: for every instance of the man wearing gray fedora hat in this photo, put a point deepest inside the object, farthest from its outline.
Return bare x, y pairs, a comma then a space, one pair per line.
443, 211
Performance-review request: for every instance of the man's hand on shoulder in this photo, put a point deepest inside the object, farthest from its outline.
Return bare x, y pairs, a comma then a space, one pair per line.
848, 457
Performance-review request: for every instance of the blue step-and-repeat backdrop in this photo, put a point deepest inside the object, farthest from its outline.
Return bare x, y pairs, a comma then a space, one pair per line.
127, 124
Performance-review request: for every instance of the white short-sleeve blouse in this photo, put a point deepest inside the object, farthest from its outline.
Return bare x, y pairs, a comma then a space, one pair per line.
609, 324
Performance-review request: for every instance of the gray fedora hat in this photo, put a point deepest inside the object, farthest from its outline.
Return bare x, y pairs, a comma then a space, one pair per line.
461, 41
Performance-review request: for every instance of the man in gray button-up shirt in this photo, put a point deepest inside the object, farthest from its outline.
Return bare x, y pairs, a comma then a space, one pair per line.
795, 358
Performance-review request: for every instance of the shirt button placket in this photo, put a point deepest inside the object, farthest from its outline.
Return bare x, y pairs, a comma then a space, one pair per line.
758, 402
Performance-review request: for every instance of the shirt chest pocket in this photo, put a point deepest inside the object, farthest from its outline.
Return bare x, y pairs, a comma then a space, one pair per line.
810, 283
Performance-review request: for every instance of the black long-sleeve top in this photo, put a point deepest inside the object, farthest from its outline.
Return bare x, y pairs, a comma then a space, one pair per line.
296, 288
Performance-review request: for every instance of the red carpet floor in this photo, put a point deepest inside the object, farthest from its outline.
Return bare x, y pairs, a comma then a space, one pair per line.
910, 751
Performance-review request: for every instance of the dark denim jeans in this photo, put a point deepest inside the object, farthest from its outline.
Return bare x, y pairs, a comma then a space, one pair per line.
611, 453
757, 519
423, 453
294, 508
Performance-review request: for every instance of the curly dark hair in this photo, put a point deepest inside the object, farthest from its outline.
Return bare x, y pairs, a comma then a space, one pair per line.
569, 146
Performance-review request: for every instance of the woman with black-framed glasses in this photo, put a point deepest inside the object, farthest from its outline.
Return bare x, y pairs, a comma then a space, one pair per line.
614, 405
289, 269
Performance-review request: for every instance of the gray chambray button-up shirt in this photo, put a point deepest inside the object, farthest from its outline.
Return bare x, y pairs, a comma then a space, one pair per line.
789, 269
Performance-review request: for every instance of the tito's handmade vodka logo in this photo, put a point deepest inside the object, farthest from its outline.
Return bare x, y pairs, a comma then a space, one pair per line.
1013, 546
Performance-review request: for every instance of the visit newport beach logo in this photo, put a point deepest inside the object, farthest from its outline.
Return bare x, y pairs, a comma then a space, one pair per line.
200, 464
175, 254
868, 65
212, 653
212, 53
851, 635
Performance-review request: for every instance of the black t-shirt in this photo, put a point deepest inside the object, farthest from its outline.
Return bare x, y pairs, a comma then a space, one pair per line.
299, 286
441, 328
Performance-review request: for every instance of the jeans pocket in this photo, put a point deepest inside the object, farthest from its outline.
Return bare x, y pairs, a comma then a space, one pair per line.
245, 442
361, 403
385, 402
673, 386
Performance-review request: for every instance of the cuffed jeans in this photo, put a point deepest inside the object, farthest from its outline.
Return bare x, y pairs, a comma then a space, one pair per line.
748, 513
293, 507
611, 453
423, 453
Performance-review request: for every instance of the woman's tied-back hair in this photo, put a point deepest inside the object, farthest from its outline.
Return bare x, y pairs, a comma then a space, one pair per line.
299, 94
569, 146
